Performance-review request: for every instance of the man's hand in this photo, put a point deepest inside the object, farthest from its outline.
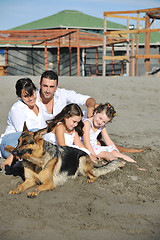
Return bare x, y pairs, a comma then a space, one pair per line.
90, 103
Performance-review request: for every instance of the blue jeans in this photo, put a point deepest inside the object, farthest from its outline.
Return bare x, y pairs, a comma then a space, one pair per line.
12, 140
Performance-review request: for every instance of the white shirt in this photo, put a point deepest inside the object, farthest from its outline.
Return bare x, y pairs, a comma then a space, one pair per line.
93, 134
18, 114
62, 97
93, 141
51, 137
69, 140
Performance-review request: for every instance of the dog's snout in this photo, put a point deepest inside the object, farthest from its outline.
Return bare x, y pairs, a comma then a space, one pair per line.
16, 152
20, 152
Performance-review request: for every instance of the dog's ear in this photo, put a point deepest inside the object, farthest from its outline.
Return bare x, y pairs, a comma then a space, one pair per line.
25, 127
42, 131
38, 134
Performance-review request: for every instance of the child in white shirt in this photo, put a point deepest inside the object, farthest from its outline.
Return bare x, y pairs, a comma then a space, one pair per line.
103, 114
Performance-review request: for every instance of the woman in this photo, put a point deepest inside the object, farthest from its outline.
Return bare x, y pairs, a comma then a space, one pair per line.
24, 110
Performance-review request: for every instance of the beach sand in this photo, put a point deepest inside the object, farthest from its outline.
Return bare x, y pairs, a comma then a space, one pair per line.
123, 205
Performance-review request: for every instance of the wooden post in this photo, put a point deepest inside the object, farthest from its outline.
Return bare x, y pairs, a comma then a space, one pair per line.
121, 68
113, 72
147, 43
90, 71
58, 57
97, 61
137, 46
78, 55
132, 53
104, 46
127, 64
45, 55
83, 62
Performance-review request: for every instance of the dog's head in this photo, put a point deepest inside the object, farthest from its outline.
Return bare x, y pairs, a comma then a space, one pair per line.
29, 143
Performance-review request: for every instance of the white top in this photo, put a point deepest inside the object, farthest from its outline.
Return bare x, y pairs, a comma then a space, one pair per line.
93, 134
93, 141
69, 140
18, 114
51, 137
62, 97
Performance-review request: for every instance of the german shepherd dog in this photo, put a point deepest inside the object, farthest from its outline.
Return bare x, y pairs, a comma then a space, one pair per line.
48, 165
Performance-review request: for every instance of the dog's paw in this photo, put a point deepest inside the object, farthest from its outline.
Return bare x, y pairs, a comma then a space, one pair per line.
32, 194
91, 180
15, 192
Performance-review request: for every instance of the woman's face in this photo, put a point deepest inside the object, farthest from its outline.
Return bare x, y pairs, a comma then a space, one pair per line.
30, 101
72, 122
100, 119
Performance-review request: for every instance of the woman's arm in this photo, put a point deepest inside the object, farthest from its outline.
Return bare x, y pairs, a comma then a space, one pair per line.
59, 131
17, 116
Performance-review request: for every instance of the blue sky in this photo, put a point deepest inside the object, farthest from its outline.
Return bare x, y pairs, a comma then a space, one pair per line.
14, 13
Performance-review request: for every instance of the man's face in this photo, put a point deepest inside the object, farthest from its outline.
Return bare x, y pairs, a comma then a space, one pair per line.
48, 88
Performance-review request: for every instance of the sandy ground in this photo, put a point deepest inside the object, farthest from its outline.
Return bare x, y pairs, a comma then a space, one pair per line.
120, 205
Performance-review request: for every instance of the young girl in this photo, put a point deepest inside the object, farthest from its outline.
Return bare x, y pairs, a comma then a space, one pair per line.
102, 114
24, 110
66, 127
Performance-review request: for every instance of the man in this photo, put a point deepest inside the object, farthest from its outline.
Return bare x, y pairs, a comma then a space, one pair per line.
54, 99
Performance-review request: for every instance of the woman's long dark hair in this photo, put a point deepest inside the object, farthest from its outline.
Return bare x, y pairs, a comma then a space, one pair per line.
67, 112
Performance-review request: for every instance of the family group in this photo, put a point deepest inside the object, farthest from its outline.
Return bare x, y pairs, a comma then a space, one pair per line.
58, 110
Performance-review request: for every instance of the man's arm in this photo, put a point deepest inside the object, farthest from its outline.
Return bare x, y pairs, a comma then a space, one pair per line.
90, 103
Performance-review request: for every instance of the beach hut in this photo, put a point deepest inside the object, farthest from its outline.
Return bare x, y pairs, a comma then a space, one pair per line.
69, 42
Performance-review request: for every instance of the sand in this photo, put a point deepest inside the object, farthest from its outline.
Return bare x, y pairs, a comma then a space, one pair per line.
124, 204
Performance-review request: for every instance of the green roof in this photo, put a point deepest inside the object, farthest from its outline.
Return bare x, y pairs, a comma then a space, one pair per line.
154, 37
69, 19
75, 19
